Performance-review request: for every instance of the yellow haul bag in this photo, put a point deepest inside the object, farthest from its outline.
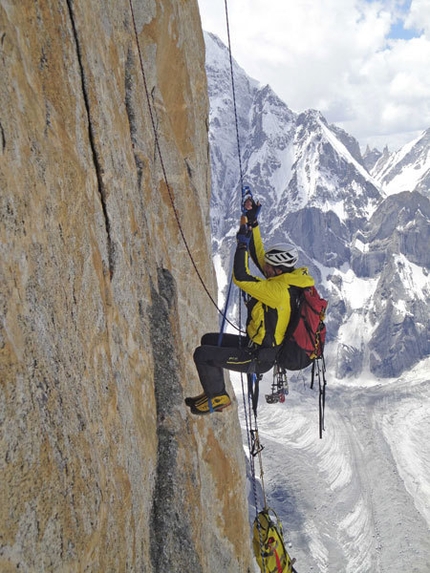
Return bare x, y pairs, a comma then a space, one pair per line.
268, 543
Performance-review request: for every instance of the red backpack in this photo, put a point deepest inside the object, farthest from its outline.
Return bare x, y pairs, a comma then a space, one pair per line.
303, 345
306, 333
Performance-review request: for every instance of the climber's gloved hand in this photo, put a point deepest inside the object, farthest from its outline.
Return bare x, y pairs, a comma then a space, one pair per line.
252, 210
243, 237
246, 198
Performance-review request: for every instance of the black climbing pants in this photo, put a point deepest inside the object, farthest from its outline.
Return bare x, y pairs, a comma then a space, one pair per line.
232, 352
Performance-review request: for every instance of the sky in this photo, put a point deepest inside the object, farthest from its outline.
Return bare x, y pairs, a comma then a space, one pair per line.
365, 64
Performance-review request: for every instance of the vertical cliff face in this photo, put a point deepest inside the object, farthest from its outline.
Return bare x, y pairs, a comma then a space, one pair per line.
102, 467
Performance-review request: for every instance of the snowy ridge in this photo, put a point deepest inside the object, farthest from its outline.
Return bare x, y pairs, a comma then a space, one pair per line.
341, 149
407, 169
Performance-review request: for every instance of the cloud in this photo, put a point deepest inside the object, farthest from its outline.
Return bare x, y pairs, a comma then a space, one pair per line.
348, 59
419, 17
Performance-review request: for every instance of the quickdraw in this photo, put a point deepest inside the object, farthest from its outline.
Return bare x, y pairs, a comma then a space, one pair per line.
279, 386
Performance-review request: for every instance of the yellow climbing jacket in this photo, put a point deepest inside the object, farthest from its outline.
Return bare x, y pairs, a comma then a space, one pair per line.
268, 544
269, 307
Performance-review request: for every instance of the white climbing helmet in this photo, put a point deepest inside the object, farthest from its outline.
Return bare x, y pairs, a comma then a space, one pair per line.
282, 256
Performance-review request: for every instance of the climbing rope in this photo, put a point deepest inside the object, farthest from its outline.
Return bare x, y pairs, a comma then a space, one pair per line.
163, 169
252, 433
249, 399
239, 156
234, 95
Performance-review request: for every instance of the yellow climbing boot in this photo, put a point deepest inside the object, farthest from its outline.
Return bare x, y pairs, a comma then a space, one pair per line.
192, 400
204, 405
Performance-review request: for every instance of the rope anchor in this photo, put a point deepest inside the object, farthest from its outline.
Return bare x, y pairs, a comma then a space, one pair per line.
256, 445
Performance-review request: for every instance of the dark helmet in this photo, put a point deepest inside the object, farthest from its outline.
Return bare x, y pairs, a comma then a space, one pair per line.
282, 256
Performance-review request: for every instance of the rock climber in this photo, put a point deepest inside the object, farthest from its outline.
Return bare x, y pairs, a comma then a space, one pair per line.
268, 314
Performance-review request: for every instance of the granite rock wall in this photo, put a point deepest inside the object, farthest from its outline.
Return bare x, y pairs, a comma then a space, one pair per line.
103, 469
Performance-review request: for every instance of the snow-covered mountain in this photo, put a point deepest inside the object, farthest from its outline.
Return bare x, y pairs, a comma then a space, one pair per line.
405, 170
358, 500
366, 245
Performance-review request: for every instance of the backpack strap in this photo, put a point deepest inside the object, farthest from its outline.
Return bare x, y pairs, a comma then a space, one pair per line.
296, 299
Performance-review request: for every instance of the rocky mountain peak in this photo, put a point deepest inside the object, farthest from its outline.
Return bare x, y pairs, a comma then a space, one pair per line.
407, 169
346, 213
